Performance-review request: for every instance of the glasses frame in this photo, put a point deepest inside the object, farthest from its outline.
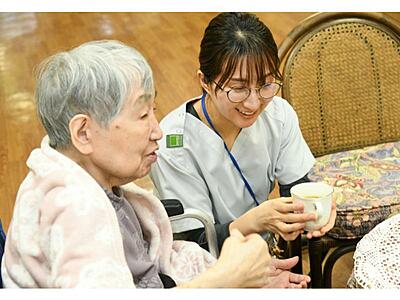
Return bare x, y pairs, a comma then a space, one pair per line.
280, 84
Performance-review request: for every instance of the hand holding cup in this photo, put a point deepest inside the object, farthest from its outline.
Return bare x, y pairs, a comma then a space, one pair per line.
317, 198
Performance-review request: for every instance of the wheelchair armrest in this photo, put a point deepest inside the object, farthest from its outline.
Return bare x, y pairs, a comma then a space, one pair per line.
209, 228
176, 212
173, 207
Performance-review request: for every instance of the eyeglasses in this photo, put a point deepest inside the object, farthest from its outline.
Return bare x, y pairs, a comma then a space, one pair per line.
266, 92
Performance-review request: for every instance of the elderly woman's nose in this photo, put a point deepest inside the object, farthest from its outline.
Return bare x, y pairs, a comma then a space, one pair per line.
156, 133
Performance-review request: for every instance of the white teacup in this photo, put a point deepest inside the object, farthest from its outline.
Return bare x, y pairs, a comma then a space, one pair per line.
317, 198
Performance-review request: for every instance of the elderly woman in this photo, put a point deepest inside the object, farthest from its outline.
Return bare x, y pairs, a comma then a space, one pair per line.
79, 221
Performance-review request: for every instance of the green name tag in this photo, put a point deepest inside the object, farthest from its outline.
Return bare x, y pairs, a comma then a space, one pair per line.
174, 140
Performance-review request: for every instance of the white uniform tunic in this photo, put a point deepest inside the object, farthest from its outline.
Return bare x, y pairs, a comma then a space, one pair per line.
201, 174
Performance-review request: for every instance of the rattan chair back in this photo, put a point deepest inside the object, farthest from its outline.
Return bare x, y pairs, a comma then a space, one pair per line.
342, 76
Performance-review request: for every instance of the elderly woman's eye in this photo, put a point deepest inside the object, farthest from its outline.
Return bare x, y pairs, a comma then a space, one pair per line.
144, 116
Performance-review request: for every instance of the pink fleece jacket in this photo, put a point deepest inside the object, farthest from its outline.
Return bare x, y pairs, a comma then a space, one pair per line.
65, 233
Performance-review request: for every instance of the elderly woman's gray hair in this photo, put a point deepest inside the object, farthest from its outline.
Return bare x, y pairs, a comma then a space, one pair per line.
94, 79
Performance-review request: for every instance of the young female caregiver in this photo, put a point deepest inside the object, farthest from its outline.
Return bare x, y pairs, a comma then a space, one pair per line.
221, 152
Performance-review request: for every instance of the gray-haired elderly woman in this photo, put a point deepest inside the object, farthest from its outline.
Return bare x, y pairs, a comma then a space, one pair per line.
79, 221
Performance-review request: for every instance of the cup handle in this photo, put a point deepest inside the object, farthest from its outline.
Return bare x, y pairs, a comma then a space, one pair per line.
318, 209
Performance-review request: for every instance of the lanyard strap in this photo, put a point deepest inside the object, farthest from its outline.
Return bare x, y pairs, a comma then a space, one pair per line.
235, 163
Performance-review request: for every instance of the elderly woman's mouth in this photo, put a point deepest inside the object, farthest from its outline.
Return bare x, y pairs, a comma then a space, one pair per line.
152, 156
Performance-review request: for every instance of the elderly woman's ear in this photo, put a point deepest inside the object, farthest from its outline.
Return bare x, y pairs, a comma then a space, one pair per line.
80, 128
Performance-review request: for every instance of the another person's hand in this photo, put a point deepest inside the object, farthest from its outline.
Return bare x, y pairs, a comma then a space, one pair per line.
279, 275
280, 215
329, 225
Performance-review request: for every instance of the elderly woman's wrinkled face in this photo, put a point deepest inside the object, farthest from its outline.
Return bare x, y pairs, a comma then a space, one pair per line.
126, 149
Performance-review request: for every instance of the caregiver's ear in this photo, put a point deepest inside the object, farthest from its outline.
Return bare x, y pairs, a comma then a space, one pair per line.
81, 129
203, 84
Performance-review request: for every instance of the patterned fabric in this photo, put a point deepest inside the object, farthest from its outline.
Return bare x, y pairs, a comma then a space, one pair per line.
377, 259
143, 269
2, 242
65, 232
367, 186
352, 282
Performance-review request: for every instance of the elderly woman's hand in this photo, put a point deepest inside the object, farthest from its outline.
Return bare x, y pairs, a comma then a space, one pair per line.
244, 260
329, 225
279, 275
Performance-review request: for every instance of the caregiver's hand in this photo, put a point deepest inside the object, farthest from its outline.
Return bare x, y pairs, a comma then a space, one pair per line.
280, 215
279, 275
329, 225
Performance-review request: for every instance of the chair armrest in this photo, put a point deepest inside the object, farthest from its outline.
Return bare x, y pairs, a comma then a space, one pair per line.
211, 234
173, 207
176, 212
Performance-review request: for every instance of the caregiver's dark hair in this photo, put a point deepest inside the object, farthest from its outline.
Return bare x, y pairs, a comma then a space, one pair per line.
232, 39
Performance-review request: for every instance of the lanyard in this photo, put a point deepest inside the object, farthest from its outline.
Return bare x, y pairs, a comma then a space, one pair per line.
235, 163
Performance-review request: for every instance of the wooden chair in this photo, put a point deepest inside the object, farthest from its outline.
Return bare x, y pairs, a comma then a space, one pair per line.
341, 74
